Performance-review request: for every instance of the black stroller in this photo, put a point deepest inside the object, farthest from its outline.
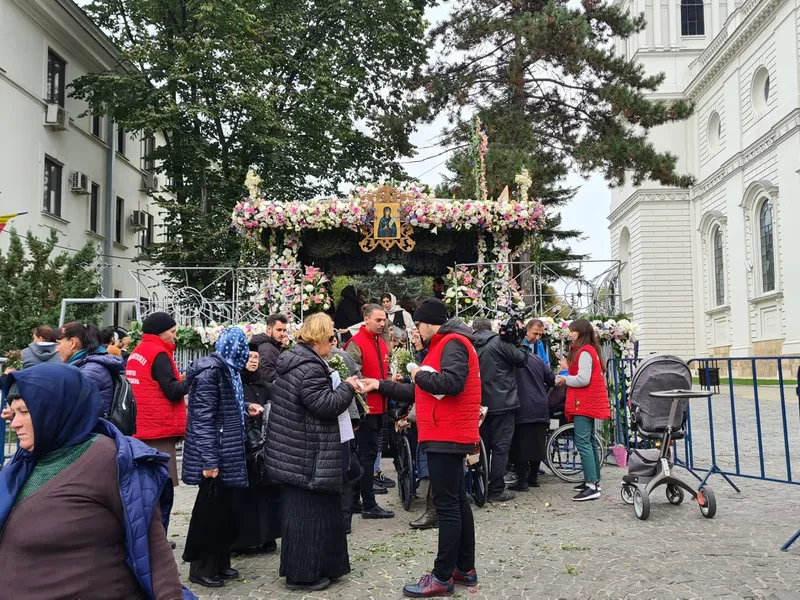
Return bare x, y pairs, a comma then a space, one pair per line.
659, 401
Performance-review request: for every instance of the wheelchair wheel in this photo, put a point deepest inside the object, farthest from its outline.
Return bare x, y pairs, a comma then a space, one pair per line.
674, 494
405, 475
641, 504
626, 493
707, 502
562, 456
479, 478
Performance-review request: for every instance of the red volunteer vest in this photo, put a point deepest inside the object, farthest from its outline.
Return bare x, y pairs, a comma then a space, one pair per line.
374, 364
592, 400
156, 416
453, 418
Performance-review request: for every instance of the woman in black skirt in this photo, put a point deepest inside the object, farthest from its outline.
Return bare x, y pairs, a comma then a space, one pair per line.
259, 503
532, 419
304, 453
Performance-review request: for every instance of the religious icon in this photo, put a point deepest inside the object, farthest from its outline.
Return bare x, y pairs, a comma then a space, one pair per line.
387, 227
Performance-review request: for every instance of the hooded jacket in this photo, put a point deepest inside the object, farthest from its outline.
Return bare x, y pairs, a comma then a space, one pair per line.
498, 360
304, 448
269, 350
348, 313
102, 369
39, 352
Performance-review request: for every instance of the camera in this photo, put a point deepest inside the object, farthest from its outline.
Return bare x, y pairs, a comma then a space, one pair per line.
513, 330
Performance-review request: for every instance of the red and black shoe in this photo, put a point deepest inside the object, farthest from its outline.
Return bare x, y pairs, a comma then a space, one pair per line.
469, 579
429, 587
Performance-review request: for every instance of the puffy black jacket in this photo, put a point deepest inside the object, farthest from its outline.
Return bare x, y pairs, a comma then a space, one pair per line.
533, 381
498, 360
268, 352
303, 442
214, 425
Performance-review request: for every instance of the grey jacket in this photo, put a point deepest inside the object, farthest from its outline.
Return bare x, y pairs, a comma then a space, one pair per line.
39, 352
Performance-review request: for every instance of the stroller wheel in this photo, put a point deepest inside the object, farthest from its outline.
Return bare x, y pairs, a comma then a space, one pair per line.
626, 493
707, 502
641, 504
674, 494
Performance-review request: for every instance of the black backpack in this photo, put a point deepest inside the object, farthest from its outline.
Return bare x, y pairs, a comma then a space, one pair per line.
123, 405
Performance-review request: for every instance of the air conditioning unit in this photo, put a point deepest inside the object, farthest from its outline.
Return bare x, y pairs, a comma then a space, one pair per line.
57, 118
138, 220
80, 183
149, 183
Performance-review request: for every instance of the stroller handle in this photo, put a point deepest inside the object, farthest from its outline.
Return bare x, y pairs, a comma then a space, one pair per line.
675, 394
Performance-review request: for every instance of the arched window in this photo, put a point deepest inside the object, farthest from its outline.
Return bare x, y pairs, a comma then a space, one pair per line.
767, 247
719, 268
692, 17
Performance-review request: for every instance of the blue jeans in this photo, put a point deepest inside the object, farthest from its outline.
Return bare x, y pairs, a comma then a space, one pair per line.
586, 442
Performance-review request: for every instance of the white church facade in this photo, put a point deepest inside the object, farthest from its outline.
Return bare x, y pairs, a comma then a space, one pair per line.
712, 271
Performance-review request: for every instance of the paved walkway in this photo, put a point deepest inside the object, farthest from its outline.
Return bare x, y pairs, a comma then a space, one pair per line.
545, 546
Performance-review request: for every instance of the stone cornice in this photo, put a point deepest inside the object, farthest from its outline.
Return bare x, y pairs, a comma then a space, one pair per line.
652, 195
785, 127
744, 24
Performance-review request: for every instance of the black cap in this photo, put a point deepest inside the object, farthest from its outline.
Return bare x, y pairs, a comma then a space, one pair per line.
432, 311
158, 323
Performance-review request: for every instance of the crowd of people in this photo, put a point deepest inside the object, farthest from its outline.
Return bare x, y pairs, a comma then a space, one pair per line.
283, 442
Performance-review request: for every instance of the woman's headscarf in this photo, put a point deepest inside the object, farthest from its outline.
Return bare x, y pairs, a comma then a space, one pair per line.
232, 348
64, 407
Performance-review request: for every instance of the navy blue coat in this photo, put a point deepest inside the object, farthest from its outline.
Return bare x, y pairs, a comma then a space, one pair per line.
533, 381
98, 367
215, 433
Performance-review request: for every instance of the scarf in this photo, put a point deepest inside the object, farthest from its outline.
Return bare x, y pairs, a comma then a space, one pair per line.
232, 348
64, 407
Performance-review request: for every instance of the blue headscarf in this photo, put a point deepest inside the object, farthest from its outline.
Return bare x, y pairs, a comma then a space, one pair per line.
64, 407
232, 348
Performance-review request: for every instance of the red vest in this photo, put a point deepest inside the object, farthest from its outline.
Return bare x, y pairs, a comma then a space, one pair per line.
374, 364
453, 418
592, 400
156, 416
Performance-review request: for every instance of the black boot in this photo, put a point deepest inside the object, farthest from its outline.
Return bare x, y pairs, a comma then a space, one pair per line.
522, 479
428, 519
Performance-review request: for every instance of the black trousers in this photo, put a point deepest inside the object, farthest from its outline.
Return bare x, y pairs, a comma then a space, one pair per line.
367, 440
497, 432
456, 526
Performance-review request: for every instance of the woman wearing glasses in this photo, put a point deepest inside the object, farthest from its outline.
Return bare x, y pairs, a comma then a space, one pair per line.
304, 454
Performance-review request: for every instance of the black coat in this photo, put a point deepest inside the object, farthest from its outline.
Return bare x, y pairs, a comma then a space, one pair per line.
303, 443
268, 352
533, 381
498, 360
348, 313
256, 391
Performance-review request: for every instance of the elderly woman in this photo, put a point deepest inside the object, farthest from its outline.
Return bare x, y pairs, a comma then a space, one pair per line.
304, 453
79, 502
214, 456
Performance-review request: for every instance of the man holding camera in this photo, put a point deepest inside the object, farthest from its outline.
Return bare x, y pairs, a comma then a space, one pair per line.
498, 359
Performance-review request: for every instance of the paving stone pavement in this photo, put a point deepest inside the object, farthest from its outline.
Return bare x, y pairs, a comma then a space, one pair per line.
527, 549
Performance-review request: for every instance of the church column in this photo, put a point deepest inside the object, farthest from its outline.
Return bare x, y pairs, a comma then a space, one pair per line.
657, 24
673, 23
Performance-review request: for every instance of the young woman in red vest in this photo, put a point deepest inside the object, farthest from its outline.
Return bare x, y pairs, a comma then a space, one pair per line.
587, 401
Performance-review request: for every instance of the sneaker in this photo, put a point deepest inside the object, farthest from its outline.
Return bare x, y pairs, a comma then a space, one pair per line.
503, 496
376, 513
383, 480
510, 478
582, 486
587, 494
429, 587
469, 579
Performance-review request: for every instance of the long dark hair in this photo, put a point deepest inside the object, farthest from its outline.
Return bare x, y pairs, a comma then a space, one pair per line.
87, 333
586, 337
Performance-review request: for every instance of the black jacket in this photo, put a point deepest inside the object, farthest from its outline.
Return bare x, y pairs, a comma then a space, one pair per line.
533, 381
498, 360
268, 352
303, 442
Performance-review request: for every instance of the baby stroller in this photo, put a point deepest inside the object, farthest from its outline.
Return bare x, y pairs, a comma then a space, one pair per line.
659, 395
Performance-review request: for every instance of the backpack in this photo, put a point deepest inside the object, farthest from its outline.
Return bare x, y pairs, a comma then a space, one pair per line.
123, 406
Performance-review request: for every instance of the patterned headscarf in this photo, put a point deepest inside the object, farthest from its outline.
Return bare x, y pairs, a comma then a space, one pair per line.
232, 348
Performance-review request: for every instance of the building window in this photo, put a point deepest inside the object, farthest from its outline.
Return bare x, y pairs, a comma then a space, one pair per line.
117, 294
767, 247
759, 91
94, 208
52, 187
121, 138
148, 147
119, 220
692, 17
719, 268
96, 125
56, 72
146, 234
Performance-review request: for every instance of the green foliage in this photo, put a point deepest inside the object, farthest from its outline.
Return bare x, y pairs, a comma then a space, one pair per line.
185, 337
309, 94
33, 283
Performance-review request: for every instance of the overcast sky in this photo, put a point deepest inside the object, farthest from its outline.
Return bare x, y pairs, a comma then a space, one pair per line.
588, 212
